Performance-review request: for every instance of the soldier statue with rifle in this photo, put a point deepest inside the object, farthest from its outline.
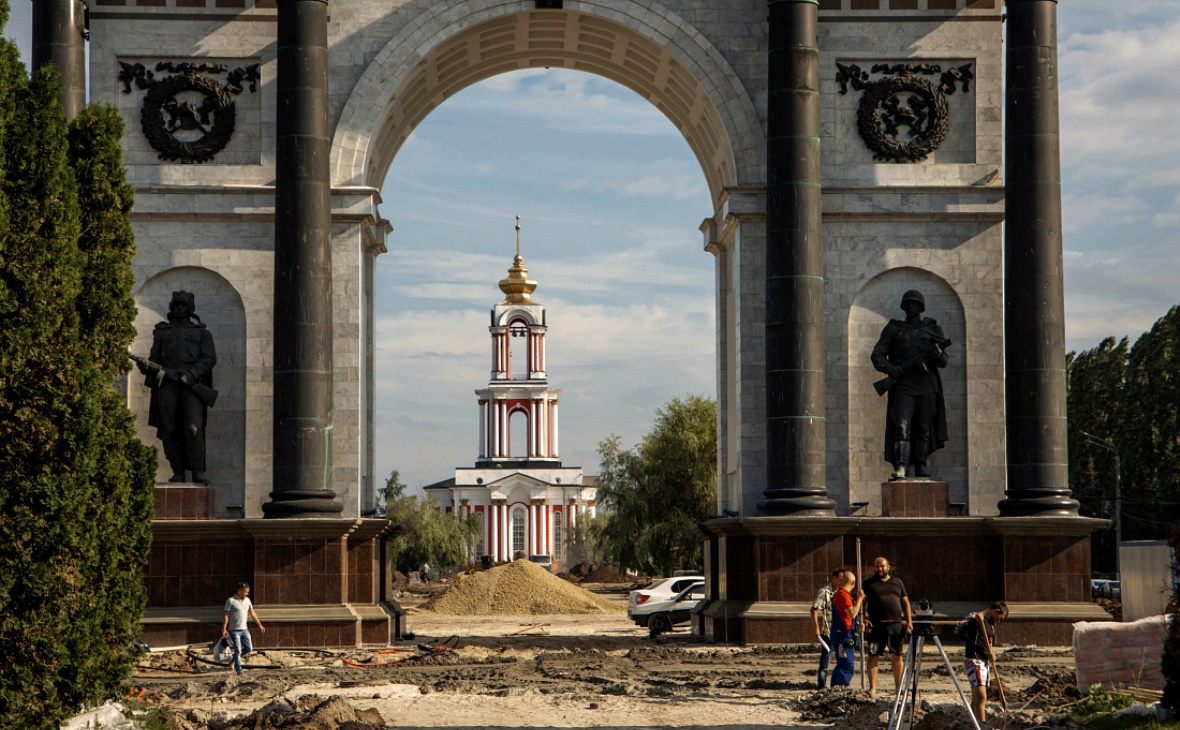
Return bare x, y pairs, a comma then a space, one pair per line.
180, 373
910, 353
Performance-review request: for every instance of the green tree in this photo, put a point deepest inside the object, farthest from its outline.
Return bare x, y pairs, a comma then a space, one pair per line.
77, 485
652, 496
1149, 435
585, 542
124, 475
1129, 398
425, 533
1096, 384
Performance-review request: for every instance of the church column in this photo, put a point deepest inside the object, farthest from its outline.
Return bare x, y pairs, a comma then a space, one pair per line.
303, 372
493, 542
483, 428
494, 436
534, 429
795, 429
531, 533
506, 540
553, 445
59, 38
1034, 299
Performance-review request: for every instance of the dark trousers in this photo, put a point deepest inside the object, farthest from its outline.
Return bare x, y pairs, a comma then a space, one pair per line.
845, 655
825, 656
181, 426
913, 418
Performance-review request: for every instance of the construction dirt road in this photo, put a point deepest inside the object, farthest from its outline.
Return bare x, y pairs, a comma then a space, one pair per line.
581, 670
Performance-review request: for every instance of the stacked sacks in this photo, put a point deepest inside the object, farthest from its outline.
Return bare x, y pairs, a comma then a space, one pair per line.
1119, 655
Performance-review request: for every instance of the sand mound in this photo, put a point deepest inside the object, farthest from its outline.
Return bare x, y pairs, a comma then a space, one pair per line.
519, 588
605, 574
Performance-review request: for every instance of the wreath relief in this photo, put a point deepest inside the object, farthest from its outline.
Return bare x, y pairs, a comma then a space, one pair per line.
902, 116
188, 116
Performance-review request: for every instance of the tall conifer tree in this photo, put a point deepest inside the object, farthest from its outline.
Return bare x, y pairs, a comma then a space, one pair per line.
76, 485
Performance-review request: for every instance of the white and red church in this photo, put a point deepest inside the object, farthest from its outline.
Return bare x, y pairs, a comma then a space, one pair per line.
527, 501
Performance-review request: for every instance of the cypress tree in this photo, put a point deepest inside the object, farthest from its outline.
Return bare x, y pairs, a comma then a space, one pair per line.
76, 489
120, 525
45, 446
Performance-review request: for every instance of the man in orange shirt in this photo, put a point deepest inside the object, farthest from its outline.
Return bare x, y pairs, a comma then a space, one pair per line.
844, 611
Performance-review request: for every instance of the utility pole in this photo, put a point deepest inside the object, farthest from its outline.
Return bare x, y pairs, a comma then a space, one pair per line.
1118, 497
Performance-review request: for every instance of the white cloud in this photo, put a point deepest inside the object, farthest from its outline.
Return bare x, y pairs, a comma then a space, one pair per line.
1099, 210
570, 100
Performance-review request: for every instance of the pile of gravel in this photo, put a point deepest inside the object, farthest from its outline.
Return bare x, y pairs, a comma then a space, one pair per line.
519, 588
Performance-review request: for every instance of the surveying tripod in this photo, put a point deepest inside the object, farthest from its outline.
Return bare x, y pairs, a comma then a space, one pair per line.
907, 689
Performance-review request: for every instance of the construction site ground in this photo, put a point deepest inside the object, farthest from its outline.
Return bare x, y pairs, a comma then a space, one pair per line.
563, 670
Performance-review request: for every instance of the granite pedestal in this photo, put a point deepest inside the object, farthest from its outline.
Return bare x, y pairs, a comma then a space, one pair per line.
315, 583
762, 573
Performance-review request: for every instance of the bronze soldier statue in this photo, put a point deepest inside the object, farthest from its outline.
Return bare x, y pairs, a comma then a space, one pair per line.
910, 352
180, 373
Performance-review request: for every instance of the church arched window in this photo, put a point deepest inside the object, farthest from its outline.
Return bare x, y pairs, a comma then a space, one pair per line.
518, 433
558, 536
519, 517
518, 350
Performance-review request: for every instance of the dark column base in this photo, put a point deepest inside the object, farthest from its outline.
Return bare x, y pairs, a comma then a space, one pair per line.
762, 573
315, 583
303, 503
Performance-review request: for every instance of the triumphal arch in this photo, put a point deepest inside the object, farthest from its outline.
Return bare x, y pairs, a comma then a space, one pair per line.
854, 150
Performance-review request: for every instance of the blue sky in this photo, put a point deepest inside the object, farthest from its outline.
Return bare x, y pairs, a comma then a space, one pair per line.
610, 199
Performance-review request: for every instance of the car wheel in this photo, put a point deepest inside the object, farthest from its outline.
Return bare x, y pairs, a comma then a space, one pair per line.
659, 623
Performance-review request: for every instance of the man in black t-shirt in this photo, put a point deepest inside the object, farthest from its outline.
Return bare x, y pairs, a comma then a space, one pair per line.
979, 632
890, 621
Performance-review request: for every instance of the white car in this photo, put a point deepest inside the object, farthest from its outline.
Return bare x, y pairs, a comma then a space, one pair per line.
666, 602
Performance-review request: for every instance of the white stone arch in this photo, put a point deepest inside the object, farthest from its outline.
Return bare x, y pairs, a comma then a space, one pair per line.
507, 316
874, 305
637, 43
219, 305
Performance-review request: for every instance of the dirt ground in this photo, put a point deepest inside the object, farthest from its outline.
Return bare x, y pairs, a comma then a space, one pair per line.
567, 671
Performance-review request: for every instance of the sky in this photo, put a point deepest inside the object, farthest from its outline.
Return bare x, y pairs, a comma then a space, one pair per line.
610, 199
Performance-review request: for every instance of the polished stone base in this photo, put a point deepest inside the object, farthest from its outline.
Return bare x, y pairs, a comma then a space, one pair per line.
915, 498
762, 573
315, 583
182, 501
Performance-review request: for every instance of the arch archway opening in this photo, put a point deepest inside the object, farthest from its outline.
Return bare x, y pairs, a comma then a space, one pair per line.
610, 198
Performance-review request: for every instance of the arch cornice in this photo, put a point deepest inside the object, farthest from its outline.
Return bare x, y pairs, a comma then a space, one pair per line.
639, 44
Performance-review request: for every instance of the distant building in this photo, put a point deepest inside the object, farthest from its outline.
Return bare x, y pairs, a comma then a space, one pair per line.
527, 501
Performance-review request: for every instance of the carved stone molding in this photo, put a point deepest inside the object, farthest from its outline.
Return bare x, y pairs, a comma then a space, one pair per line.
188, 116
903, 116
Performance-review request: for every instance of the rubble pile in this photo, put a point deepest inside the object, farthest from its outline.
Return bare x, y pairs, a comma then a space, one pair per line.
605, 574
309, 712
519, 588
1051, 689
852, 708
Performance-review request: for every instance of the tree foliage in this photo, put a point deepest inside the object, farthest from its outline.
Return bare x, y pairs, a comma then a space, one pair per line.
425, 533
1170, 659
653, 495
76, 493
1128, 397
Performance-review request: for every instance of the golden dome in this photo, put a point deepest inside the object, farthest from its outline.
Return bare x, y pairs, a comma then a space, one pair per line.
518, 287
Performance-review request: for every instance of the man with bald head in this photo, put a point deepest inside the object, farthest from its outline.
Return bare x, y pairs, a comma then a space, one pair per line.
890, 621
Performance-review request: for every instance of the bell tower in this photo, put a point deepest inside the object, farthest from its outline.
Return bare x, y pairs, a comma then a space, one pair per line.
519, 387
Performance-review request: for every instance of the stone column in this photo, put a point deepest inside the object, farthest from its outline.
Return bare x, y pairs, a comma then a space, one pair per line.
1034, 300
795, 428
303, 375
58, 38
